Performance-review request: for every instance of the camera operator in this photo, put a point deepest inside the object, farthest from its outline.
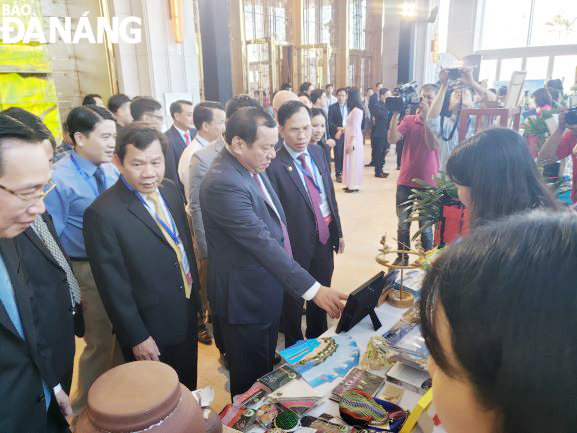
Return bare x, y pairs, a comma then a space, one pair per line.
562, 143
382, 118
420, 160
443, 115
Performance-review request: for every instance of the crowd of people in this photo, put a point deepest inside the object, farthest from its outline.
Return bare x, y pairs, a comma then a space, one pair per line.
136, 239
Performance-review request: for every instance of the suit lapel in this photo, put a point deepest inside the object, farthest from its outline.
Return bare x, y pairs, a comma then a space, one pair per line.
35, 239
274, 197
292, 170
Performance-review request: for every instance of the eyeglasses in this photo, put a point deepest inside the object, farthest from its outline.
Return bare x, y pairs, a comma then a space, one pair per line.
161, 118
33, 196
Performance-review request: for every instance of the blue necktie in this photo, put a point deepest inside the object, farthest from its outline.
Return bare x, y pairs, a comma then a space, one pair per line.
100, 179
9, 301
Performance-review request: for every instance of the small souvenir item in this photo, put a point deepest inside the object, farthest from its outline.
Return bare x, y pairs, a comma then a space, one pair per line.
358, 408
279, 377
287, 421
358, 379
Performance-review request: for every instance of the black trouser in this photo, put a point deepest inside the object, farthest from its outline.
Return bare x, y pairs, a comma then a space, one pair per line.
399, 150
339, 151
379, 148
183, 356
404, 210
250, 351
321, 268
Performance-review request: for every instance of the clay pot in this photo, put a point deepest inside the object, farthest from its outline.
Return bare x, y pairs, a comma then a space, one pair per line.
141, 395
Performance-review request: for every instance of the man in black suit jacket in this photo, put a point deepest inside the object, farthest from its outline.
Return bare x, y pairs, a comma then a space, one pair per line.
380, 130
249, 259
337, 121
30, 403
48, 280
308, 213
140, 251
179, 135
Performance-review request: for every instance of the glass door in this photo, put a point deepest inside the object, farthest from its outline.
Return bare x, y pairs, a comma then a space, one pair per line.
310, 63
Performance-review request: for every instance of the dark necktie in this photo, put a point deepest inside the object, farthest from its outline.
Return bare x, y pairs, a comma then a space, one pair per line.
315, 196
41, 229
100, 181
286, 242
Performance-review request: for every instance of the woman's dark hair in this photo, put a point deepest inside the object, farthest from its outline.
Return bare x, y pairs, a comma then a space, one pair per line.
141, 135
496, 165
354, 99
305, 87
508, 293
288, 109
84, 119
33, 121
556, 84
244, 124
316, 95
542, 97
320, 112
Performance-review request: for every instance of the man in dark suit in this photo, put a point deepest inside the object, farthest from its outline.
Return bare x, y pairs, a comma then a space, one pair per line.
179, 136
250, 262
140, 251
300, 176
374, 98
337, 121
32, 400
380, 130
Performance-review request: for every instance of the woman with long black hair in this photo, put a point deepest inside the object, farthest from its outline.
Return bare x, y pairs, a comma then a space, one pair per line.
354, 142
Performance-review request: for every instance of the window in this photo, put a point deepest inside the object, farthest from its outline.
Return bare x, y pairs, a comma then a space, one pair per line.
357, 24
529, 23
488, 72
565, 68
536, 68
508, 66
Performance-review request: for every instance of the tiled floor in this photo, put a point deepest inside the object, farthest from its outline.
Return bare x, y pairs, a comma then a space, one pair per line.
366, 216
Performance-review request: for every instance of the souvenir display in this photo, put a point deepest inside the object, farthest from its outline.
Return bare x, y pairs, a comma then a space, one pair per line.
238, 417
408, 377
252, 397
360, 410
358, 379
392, 394
279, 377
322, 360
287, 421
377, 355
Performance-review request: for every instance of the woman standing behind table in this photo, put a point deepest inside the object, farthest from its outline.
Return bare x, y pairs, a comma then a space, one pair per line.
496, 176
354, 153
319, 126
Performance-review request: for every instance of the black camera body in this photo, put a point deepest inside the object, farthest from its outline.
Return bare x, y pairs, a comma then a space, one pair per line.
571, 116
395, 104
455, 73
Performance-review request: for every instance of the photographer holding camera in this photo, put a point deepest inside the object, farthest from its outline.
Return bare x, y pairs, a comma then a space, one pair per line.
420, 160
443, 116
562, 143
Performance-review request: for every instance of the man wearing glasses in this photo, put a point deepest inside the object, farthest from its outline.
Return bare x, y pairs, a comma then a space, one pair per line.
32, 402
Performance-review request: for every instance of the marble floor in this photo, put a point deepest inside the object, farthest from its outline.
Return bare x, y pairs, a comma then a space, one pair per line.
365, 216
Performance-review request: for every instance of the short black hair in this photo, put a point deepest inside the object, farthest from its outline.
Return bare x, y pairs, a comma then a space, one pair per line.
289, 108
116, 101
89, 99
142, 105
328, 85
286, 86
203, 112
240, 101
14, 129
305, 86
508, 293
383, 90
316, 94
84, 119
245, 122
501, 173
141, 135
33, 121
342, 89
542, 97
176, 106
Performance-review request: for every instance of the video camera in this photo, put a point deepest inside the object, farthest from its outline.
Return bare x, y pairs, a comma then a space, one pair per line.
405, 99
570, 116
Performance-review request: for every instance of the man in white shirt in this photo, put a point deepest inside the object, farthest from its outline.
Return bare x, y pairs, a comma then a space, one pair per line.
209, 121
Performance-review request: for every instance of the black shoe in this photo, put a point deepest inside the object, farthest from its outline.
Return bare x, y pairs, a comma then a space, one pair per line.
382, 175
351, 190
398, 168
204, 336
370, 164
339, 178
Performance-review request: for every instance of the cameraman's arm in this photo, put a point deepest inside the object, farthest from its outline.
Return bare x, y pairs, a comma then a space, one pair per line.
437, 105
468, 79
394, 135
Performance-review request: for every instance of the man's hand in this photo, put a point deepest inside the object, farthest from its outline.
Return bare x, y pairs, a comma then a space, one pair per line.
146, 351
341, 246
63, 403
423, 109
330, 300
444, 76
330, 142
467, 77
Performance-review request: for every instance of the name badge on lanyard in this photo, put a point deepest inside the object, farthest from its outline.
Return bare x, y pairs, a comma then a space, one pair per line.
324, 205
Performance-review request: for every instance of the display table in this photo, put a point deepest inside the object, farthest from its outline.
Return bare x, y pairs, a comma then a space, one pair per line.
361, 333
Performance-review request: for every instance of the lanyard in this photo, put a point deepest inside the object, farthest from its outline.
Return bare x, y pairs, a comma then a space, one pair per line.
85, 175
170, 230
315, 172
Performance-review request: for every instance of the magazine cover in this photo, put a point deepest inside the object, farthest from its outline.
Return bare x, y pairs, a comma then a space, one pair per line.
358, 379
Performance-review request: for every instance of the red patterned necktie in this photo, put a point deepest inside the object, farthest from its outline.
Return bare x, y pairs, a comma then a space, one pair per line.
315, 195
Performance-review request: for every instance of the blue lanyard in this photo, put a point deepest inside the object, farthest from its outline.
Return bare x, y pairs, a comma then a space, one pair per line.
85, 175
170, 230
315, 172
